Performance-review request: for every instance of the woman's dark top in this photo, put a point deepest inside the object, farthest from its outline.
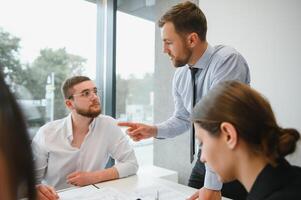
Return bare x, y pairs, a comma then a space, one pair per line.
282, 182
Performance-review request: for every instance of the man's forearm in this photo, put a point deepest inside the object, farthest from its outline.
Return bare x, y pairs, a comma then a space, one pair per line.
106, 174
172, 127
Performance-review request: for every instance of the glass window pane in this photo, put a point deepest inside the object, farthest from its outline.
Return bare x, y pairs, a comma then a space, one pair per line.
144, 73
135, 66
41, 44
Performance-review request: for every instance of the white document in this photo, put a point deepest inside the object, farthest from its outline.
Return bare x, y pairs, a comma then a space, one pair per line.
159, 192
155, 192
92, 193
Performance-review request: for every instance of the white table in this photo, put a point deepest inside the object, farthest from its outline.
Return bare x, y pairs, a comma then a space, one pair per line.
132, 183
158, 172
132, 187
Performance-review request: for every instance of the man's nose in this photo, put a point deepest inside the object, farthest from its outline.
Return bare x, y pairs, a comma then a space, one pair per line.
165, 49
202, 158
93, 95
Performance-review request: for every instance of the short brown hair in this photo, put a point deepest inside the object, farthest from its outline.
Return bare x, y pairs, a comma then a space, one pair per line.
251, 115
186, 18
67, 87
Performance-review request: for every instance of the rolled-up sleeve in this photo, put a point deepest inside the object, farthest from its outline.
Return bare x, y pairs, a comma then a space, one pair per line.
123, 153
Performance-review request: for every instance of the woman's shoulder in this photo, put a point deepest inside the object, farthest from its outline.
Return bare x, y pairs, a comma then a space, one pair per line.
292, 188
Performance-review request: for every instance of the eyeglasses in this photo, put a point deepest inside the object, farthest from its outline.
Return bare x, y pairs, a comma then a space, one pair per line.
87, 93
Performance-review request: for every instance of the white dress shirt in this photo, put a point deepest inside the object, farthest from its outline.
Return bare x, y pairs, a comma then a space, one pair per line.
55, 158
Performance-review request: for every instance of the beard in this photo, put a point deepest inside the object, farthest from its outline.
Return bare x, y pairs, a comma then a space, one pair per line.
183, 61
91, 112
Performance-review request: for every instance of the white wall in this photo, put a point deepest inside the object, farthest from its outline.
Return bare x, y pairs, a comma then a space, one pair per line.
268, 34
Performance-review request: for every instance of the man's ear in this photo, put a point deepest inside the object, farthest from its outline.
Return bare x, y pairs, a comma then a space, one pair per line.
69, 104
192, 39
229, 133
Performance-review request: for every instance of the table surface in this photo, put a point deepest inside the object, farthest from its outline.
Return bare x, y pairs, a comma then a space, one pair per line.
131, 183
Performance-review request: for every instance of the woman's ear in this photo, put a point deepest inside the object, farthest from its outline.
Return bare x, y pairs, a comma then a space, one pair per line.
229, 133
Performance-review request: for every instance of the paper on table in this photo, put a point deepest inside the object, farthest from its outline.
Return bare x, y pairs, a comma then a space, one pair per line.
165, 193
108, 193
92, 193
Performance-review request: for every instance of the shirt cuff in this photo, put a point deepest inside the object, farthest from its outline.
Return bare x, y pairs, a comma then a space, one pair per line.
162, 131
126, 169
211, 180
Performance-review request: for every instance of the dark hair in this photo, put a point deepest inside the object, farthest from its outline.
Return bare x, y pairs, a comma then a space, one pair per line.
15, 145
251, 115
67, 87
186, 18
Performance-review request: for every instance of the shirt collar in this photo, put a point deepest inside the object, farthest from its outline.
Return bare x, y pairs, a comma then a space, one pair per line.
69, 129
92, 124
205, 58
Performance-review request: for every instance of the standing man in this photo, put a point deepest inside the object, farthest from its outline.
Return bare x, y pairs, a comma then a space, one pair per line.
200, 67
74, 150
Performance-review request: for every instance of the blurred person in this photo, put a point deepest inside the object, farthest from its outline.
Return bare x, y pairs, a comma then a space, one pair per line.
242, 140
74, 151
199, 67
16, 162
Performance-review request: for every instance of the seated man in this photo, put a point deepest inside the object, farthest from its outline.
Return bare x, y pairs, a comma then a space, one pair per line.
74, 150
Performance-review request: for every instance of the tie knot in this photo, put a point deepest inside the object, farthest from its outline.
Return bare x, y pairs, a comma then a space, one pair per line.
193, 71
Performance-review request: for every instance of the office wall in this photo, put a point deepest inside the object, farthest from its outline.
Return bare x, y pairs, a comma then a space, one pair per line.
267, 33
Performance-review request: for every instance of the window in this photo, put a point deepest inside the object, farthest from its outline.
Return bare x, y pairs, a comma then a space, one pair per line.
41, 44
143, 73
135, 41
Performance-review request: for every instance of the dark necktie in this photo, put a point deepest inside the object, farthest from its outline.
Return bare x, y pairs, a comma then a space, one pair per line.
192, 137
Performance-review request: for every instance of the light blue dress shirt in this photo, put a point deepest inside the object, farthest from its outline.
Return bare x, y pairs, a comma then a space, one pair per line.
217, 64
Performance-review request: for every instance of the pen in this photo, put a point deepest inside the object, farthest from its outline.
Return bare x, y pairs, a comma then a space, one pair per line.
96, 186
157, 196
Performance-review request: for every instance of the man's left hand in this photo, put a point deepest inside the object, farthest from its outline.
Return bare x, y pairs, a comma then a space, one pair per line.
81, 178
